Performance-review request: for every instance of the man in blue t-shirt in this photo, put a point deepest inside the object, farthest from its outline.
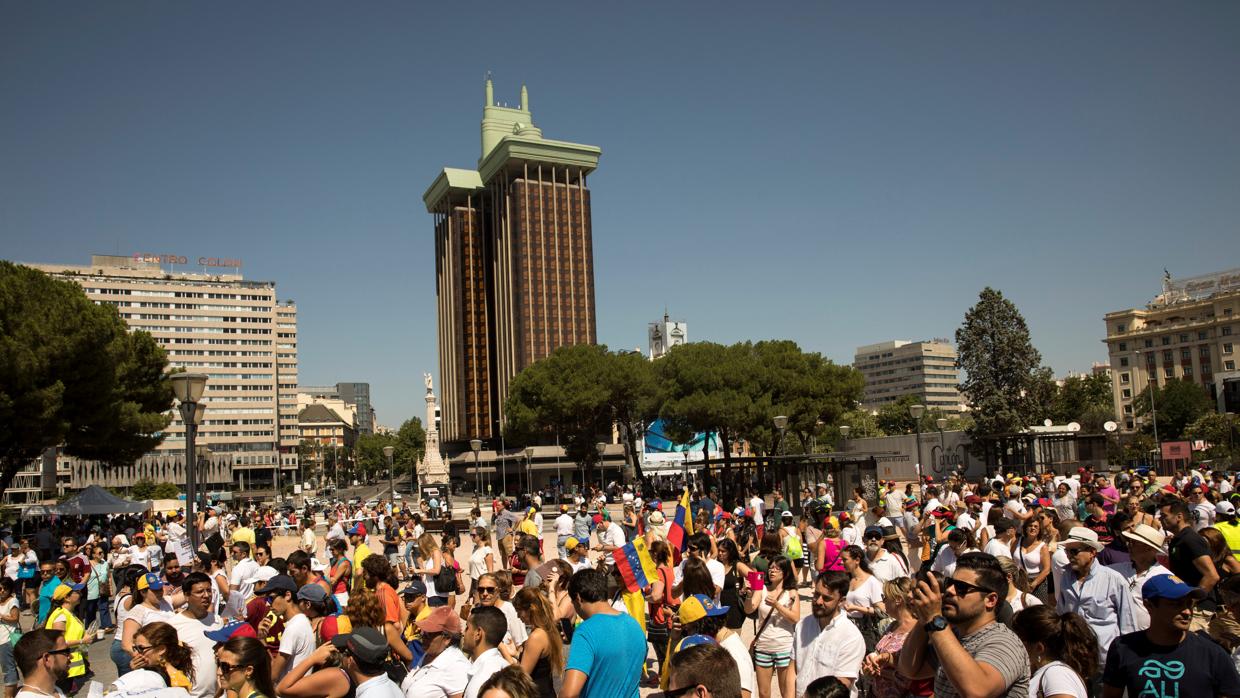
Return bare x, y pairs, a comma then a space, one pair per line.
609, 648
49, 582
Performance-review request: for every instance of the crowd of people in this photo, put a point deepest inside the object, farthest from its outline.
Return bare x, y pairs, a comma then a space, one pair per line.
1044, 585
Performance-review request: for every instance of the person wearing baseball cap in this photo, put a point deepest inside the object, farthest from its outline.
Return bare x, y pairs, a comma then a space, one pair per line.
1225, 522
1097, 592
700, 615
297, 640
445, 669
365, 653
1166, 659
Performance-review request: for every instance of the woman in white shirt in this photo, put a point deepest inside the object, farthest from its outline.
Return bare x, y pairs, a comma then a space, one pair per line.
959, 542
864, 602
481, 560
1062, 650
1018, 596
778, 608
1035, 557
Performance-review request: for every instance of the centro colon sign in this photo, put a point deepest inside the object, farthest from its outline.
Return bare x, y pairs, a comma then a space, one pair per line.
181, 259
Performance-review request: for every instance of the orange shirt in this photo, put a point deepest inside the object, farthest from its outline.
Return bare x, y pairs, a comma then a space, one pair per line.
390, 601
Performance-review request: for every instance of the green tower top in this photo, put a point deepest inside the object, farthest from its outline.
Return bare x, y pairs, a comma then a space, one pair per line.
500, 121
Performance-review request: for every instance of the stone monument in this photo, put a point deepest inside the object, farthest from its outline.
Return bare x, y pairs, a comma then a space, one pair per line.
432, 469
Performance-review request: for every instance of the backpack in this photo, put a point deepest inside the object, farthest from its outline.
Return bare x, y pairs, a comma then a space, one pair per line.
792, 547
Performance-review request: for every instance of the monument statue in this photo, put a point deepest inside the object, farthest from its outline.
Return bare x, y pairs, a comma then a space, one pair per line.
427, 377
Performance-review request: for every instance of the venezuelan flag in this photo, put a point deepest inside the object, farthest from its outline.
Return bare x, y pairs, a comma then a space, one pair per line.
681, 528
636, 566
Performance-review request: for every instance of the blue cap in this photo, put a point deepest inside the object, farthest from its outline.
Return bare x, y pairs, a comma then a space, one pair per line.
1169, 586
353, 531
692, 640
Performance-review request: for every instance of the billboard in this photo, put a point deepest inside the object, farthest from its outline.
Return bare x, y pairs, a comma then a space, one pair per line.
659, 448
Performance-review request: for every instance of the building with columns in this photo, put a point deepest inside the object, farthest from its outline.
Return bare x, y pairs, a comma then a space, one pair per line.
514, 264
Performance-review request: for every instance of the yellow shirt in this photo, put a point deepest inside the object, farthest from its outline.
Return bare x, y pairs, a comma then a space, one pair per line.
527, 526
361, 552
244, 533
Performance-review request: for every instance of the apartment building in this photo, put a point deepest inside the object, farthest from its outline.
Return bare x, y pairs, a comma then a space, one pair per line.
897, 368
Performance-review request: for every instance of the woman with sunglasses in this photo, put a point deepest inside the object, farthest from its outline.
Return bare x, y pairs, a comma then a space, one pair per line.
243, 669
157, 647
776, 608
148, 599
481, 560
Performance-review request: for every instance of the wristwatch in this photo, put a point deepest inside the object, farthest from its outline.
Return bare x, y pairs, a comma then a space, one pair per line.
935, 624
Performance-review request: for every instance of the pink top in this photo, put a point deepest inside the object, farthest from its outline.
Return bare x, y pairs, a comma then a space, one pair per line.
831, 557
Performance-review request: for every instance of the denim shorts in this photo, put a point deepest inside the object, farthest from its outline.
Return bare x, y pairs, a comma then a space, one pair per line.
8, 664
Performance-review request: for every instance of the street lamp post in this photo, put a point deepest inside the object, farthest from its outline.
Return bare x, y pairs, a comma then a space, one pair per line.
1153, 386
602, 475
941, 423
844, 431
916, 411
387, 453
475, 445
188, 389
781, 423
529, 468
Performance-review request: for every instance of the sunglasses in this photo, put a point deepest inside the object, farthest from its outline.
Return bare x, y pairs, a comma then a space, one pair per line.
226, 668
961, 588
66, 652
677, 692
143, 649
487, 590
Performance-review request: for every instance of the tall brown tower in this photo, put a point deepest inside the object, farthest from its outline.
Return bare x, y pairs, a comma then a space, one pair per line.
514, 263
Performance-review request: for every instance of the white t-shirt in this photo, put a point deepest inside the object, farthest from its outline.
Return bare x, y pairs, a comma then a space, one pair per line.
1054, 679
744, 663
516, 629
1015, 506
758, 506
717, 573
564, 525
191, 631
869, 594
998, 548
297, 641
1022, 601
613, 536
240, 573
140, 556
478, 561
888, 567
7, 629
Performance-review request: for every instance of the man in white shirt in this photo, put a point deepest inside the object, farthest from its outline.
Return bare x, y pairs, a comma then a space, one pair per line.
191, 625
827, 643
610, 536
577, 555
444, 671
1144, 545
1000, 545
239, 587
297, 642
758, 506
309, 542
563, 530
335, 529
483, 633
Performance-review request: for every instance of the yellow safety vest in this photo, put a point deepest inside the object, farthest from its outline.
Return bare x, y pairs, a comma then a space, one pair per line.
1231, 534
74, 631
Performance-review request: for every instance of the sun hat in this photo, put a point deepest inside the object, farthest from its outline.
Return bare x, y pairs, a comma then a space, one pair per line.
1144, 533
1080, 534
441, 620
657, 518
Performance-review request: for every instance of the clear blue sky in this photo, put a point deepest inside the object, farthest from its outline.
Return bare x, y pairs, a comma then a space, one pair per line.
833, 173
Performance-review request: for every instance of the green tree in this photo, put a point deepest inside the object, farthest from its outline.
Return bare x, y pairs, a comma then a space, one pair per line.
1177, 404
165, 490
803, 386
1221, 432
72, 375
999, 362
711, 389
1082, 396
634, 397
862, 424
142, 489
567, 394
410, 445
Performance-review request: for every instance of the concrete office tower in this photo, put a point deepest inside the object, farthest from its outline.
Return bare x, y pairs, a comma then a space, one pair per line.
355, 394
514, 263
897, 368
220, 324
1188, 332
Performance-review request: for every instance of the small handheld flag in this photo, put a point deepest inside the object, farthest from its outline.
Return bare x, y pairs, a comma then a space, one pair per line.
681, 528
637, 568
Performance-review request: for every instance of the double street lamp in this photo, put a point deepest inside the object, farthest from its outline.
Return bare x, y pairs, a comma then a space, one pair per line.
188, 389
916, 412
529, 468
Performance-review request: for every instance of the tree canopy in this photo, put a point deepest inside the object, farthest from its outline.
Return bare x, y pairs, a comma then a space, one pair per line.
1000, 365
72, 374
1177, 404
